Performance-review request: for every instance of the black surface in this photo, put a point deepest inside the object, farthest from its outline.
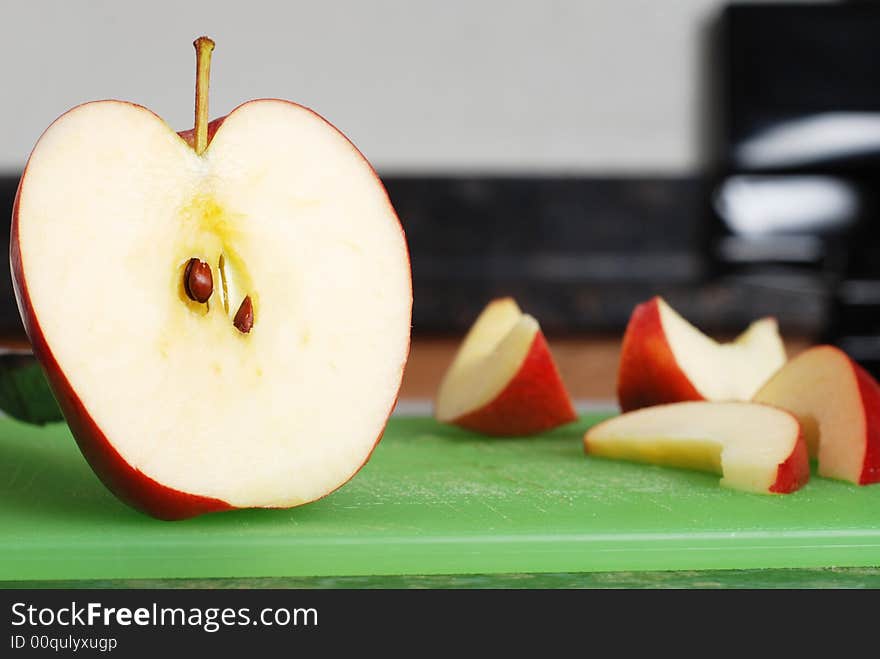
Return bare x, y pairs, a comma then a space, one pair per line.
578, 253
10, 322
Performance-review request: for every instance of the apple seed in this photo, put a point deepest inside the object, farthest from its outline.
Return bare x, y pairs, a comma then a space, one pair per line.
244, 317
198, 281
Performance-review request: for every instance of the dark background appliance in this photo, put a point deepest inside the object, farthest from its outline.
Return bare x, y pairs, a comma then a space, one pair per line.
794, 194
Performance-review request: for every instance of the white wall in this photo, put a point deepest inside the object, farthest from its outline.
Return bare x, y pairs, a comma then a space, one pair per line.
576, 86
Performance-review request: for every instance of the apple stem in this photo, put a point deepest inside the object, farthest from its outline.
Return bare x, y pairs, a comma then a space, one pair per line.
204, 46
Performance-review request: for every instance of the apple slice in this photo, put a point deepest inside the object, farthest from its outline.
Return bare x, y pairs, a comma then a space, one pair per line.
756, 448
503, 380
838, 405
665, 359
223, 316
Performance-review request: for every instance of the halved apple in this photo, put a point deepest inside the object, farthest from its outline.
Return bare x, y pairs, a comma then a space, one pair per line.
503, 380
665, 359
838, 404
756, 448
224, 317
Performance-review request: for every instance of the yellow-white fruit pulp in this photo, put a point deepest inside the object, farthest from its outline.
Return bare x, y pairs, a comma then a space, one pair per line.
490, 356
820, 388
724, 371
745, 442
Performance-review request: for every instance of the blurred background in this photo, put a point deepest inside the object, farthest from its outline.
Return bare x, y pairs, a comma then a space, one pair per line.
581, 156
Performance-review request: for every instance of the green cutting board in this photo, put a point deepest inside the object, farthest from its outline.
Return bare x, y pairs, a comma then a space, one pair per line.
433, 500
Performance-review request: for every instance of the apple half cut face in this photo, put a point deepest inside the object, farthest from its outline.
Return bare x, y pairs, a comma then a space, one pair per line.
665, 359
267, 386
503, 380
755, 448
838, 405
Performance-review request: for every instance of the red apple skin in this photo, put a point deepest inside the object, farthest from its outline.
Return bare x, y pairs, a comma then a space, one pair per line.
648, 373
534, 400
130, 485
794, 472
869, 390
189, 136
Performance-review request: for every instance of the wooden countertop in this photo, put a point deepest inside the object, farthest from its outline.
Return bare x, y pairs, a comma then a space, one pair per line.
588, 365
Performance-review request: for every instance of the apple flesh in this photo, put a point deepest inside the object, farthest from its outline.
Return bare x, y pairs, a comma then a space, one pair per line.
177, 410
838, 405
665, 359
756, 448
503, 380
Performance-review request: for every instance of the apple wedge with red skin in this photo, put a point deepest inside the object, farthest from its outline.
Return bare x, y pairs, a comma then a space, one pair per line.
178, 409
665, 359
503, 380
755, 448
838, 404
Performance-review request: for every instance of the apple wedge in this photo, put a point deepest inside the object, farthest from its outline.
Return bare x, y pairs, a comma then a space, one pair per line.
838, 405
665, 359
503, 380
224, 315
755, 448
